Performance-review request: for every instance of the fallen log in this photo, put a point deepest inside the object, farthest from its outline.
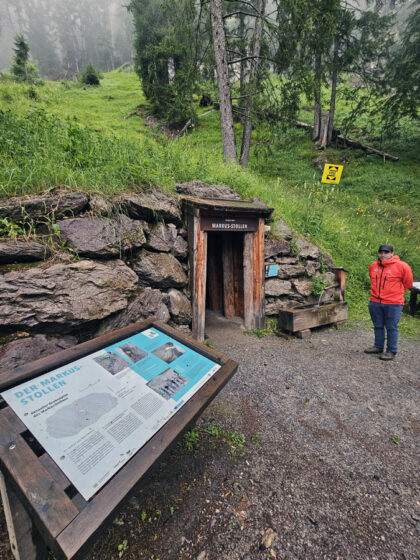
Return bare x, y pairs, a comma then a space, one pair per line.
130, 114
347, 142
190, 121
184, 128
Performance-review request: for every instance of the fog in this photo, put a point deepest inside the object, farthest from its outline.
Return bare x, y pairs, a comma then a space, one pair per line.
64, 35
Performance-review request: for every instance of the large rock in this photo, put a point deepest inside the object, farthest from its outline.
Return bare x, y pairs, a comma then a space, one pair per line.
162, 237
179, 307
102, 237
281, 229
65, 294
54, 204
306, 249
303, 287
180, 248
277, 287
159, 270
150, 303
100, 206
273, 247
287, 260
330, 279
15, 250
24, 350
312, 267
198, 189
290, 270
152, 205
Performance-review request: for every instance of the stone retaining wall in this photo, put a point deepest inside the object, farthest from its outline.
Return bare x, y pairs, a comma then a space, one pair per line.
82, 266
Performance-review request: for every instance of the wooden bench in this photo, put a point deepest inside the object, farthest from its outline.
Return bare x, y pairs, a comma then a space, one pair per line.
43, 509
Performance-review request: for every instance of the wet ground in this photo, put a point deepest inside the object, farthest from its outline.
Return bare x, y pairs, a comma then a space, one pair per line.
310, 452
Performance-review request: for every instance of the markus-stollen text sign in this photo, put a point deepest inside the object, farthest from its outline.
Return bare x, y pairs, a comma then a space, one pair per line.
223, 223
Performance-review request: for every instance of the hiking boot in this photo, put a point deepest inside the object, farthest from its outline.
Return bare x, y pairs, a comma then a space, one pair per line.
387, 356
373, 350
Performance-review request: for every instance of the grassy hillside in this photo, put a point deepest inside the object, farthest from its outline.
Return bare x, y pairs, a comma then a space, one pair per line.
60, 133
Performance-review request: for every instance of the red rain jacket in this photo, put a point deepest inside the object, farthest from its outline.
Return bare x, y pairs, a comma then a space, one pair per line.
389, 280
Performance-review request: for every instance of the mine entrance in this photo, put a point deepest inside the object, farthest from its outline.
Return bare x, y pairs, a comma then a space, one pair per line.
225, 273
226, 260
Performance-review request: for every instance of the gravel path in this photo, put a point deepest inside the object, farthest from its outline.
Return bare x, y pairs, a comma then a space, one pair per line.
330, 463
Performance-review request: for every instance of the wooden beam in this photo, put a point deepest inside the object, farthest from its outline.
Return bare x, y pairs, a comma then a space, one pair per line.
198, 272
50, 506
25, 541
254, 316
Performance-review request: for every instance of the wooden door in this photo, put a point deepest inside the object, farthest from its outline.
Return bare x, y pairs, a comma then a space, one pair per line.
225, 276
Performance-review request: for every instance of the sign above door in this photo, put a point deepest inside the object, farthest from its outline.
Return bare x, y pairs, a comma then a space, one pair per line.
228, 223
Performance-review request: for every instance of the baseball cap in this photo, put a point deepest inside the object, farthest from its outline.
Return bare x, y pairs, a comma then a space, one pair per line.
386, 247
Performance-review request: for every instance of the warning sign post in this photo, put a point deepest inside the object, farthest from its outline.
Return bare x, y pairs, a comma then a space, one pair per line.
332, 173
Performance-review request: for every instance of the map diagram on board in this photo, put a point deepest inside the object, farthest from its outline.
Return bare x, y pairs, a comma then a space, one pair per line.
93, 414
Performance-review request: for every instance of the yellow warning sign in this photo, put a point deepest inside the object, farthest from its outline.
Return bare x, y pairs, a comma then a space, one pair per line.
332, 173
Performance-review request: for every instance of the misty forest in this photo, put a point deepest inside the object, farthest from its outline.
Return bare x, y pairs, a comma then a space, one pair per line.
115, 98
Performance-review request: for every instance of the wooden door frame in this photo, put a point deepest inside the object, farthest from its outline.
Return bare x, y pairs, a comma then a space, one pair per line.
253, 260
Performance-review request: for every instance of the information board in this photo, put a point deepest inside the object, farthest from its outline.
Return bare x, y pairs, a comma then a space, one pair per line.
93, 414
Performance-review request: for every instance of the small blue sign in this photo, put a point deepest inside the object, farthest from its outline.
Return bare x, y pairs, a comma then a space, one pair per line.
271, 270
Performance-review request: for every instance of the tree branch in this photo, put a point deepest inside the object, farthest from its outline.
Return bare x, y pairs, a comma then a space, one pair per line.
245, 58
237, 13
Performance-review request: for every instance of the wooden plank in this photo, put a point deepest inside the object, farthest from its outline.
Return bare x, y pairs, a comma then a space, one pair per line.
25, 541
198, 271
296, 319
228, 277
18, 426
254, 278
33, 369
285, 320
78, 535
56, 473
248, 280
236, 208
49, 505
259, 277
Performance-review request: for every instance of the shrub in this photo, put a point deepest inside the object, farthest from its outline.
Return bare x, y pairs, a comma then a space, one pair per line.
90, 76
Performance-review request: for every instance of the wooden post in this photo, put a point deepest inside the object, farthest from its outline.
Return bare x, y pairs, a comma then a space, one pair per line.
25, 541
340, 275
254, 316
198, 270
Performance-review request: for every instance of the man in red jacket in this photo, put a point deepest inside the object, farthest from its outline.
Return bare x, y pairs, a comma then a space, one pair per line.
389, 278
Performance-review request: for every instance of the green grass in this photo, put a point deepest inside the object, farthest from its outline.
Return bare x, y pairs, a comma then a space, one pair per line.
62, 134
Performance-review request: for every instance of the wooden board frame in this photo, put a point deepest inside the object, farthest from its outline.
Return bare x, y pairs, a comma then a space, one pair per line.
69, 525
253, 265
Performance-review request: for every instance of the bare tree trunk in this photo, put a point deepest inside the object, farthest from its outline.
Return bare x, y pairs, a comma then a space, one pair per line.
334, 79
226, 116
242, 31
323, 130
317, 92
255, 64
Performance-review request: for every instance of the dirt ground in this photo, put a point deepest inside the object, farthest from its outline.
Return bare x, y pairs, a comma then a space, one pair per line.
328, 469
